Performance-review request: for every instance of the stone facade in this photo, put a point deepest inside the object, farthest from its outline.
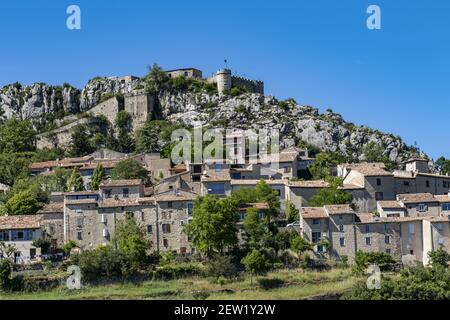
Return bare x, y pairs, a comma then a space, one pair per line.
141, 107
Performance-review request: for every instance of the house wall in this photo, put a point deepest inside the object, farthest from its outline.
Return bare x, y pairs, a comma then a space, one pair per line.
377, 233
348, 233
412, 242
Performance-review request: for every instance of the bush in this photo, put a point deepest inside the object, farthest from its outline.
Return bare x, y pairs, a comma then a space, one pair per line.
6, 267
221, 266
440, 257
268, 284
364, 259
200, 295
237, 91
178, 270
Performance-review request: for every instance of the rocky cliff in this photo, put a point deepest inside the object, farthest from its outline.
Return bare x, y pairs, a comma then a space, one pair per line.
298, 124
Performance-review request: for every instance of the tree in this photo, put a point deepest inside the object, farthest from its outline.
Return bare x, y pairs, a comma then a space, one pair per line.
154, 136
442, 165
14, 165
129, 169
80, 143
301, 245
255, 263
291, 212
213, 227
439, 257
156, 80
331, 195
42, 243
374, 152
6, 268
55, 182
17, 136
266, 194
97, 176
7, 250
125, 142
76, 181
23, 203
256, 231
244, 196
323, 165
130, 239
69, 245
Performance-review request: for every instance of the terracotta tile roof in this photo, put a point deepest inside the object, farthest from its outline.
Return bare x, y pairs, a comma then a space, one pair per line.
313, 213
44, 165
445, 218
216, 176
131, 202
363, 218
20, 222
281, 157
435, 175
251, 182
416, 197
120, 183
54, 207
351, 186
77, 193
387, 204
173, 195
178, 167
308, 184
402, 174
80, 201
339, 209
371, 169
443, 198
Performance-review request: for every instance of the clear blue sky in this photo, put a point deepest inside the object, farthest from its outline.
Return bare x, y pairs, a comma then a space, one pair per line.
318, 52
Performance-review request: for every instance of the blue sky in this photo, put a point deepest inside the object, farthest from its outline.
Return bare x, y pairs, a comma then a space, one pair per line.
319, 52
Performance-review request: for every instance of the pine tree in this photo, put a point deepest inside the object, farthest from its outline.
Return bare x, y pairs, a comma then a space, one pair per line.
97, 177
75, 181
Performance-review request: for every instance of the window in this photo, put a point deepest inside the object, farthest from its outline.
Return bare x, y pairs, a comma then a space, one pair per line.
440, 241
406, 183
165, 243
388, 251
278, 192
17, 235
387, 239
427, 183
342, 242
411, 251
316, 222
378, 182
149, 229
186, 74
446, 184
446, 207
315, 237
411, 228
216, 188
386, 227
126, 192
440, 226
368, 241
80, 222
4, 235
190, 208
166, 228
367, 228
32, 253
379, 196
169, 204
107, 193
422, 207
341, 228
287, 169
217, 167
340, 217
79, 235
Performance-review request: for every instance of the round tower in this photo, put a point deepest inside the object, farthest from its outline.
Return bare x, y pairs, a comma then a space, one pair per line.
223, 79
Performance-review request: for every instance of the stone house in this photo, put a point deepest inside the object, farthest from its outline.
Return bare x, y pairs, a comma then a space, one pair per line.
20, 231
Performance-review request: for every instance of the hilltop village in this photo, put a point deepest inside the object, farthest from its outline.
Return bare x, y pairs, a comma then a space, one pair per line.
403, 212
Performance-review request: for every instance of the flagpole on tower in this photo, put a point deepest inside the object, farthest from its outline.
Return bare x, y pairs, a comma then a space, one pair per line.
226, 63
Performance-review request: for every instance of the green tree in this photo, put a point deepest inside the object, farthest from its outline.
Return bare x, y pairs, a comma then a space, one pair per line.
266, 194
17, 136
213, 227
23, 203
55, 182
42, 243
156, 80
331, 195
323, 165
129, 169
439, 257
6, 268
130, 239
442, 165
154, 136
301, 245
76, 181
374, 152
291, 212
255, 263
13, 166
256, 231
97, 176
80, 143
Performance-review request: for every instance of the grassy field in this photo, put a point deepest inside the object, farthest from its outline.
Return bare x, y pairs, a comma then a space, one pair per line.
283, 284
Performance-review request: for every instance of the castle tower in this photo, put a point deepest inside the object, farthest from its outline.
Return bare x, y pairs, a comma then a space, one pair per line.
223, 79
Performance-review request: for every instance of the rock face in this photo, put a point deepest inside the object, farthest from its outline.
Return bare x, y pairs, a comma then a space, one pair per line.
296, 123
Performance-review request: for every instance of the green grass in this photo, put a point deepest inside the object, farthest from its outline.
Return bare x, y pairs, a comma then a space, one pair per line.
295, 284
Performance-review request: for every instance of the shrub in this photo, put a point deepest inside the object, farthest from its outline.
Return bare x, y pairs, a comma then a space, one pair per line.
221, 266
237, 91
268, 284
364, 259
200, 295
440, 257
178, 270
5, 274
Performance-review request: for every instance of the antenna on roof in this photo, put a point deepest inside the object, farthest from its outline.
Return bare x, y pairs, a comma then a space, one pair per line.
226, 63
